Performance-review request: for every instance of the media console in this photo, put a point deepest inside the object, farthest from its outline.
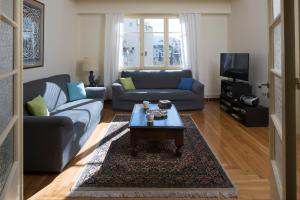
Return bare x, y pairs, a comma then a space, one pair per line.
257, 116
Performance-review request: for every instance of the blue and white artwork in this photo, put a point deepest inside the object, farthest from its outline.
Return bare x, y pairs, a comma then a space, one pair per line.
33, 34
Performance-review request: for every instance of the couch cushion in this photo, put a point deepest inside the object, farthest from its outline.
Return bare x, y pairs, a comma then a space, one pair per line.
156, 79
158, 94
127, 83
82, 112
37, 106
52, 89
185, 84
76, 91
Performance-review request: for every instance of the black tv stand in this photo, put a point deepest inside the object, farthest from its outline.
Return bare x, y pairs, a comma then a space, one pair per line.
231, 91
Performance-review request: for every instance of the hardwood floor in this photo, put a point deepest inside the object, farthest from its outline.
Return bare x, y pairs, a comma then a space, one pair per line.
242, 151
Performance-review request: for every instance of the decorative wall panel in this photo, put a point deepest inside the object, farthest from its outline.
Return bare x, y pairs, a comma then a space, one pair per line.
33, 34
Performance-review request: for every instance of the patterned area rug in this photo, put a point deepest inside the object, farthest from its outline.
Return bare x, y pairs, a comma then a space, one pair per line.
155, 171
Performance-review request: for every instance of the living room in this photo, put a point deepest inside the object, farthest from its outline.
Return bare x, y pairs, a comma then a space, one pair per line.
93, 107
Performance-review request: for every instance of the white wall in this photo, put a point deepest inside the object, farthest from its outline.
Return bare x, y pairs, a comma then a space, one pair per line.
248, 32
214, 40
60, 41
153, 6
91, 43
75, 29
214, 29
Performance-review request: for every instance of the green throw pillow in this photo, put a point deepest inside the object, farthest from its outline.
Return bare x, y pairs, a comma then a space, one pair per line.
38, 107
127, 83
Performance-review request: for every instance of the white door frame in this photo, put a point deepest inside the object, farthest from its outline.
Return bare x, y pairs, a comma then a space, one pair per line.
283, 155
13, 188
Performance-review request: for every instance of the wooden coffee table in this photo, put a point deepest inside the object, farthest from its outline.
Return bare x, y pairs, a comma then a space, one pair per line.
170, 128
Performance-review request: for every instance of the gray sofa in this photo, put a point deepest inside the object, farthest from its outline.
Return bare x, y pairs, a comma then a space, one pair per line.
51, 142
154, 85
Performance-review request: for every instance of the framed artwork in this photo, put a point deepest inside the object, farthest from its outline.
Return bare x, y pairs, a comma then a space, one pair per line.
33, 34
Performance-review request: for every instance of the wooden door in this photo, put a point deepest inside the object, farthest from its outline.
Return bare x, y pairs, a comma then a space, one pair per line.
282, 99
297, 53
10, 99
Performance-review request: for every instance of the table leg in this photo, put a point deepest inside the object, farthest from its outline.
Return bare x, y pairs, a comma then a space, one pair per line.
179, 145
133, 150
134, 143
179, 151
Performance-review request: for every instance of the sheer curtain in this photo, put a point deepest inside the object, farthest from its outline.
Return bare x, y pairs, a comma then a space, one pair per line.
112, 48
191, 31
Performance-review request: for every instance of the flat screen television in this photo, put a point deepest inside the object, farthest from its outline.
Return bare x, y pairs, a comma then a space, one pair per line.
235, 66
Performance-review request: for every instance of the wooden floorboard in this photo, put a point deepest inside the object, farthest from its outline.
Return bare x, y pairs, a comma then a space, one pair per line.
242, 151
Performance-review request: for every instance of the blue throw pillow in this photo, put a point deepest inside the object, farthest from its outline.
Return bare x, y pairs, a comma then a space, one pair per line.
76, 91
185, 84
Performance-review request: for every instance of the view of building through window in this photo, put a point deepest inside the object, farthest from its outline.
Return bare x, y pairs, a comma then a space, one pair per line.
131, 43
175, 42
154, 33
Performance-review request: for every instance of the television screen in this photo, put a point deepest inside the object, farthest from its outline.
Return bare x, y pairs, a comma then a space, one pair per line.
235, 65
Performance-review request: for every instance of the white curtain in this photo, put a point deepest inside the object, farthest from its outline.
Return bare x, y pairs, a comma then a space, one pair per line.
112, 47
191, 32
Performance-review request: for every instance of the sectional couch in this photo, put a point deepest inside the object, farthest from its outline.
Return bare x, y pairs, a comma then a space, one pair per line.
154, 85
50, 142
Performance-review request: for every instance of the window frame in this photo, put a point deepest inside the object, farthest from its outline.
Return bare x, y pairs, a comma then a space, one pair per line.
166, 33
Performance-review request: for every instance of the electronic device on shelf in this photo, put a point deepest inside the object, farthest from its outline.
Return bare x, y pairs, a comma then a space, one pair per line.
232, 94
249, 100
236, 116
234, 90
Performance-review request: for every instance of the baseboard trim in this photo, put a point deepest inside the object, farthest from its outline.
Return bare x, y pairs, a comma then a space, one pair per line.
211, 99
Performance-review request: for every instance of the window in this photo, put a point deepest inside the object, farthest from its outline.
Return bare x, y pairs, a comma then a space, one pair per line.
151, 42
131, 43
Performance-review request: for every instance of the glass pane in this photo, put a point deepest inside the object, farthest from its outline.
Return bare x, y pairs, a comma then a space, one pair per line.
154, 49
154, 25
7, 7
277, 47
131, 25
278, 152
6, 47
6, 102
175, 41
174, 25
276, 8
131, 50
278, 98
6, 159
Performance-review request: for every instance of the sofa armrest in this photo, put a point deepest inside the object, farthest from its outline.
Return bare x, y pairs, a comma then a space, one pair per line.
117, 89
95, 92
45, 128
45, 139
198, 88
33, 121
